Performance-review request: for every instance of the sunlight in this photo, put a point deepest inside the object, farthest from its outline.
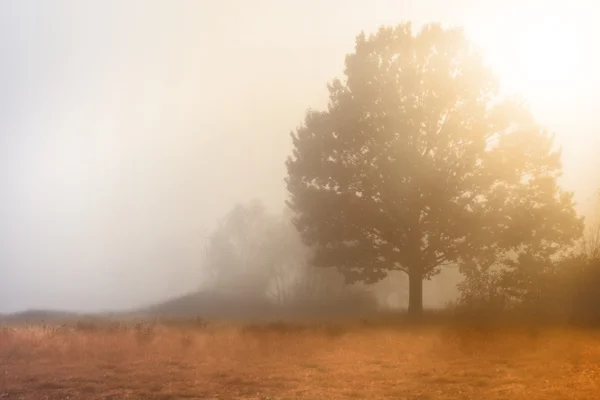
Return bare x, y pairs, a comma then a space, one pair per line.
538, 59
545, 56
548, 54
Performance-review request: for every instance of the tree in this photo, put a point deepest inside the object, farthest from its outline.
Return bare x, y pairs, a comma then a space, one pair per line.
590, 245
255, 256
286, 257
235, 254
581, 272
417, 163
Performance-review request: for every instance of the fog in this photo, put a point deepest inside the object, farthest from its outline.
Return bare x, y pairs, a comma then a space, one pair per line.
128, 129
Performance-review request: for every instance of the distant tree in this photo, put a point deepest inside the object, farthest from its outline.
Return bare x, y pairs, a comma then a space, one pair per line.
417, 163
591, 240
255, 256
235, 259
581, 272
287, 259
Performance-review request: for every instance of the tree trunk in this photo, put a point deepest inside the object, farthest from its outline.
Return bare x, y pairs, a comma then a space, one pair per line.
415, 293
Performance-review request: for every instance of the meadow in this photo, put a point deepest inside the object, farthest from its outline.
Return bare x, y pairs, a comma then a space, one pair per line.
193, 359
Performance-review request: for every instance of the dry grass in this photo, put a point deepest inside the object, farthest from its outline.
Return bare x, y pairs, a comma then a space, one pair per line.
286, 362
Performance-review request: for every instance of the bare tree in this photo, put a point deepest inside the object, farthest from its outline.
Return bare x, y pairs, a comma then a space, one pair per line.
591, 240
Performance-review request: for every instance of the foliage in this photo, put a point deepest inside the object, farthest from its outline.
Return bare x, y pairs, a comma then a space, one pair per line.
564, 288
255, 256
417, 164
234, 255
580, 275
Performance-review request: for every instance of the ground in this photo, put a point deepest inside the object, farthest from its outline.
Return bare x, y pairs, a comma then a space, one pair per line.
220, 361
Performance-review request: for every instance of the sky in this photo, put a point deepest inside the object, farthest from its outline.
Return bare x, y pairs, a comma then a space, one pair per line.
127, 128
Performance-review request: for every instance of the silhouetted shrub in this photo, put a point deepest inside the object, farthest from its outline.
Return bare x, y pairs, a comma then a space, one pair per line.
584, 293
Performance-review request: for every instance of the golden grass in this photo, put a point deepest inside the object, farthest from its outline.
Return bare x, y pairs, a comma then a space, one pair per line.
278, 362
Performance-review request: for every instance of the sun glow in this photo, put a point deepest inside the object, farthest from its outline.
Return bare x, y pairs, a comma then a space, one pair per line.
537, 58
546, 54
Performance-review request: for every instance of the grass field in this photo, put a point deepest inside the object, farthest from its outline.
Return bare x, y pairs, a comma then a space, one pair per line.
167, 361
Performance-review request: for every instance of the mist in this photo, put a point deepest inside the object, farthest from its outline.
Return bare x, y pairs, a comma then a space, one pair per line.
121, 144
129, 128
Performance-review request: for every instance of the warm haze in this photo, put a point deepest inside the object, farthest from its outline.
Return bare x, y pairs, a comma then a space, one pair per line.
299, 199
128, 128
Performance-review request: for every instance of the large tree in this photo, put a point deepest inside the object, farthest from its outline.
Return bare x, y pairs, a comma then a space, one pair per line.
418, 163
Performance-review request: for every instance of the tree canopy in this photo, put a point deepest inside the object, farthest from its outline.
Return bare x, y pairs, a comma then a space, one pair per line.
418, 163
